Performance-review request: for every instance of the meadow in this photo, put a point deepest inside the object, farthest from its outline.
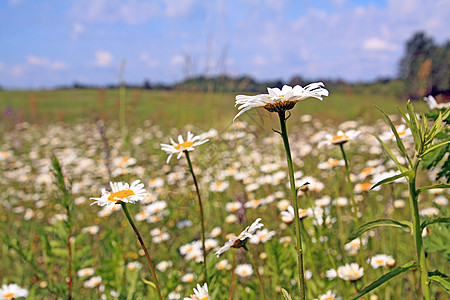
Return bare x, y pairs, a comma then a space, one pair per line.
57, 245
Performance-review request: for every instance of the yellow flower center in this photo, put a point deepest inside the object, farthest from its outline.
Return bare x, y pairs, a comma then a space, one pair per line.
328, 298
337, 138
366, 186
204, 298
332, 162
120, 195
184, 145
9, 295
244, 272
367, 170
4, 155
379, 261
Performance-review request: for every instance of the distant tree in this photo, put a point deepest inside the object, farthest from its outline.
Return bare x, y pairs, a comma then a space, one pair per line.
147, 85
425, 66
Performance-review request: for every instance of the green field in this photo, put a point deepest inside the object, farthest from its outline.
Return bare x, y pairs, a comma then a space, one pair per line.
52, 236
178, 108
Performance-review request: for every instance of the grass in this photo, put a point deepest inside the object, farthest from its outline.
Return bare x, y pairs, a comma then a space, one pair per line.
177, 108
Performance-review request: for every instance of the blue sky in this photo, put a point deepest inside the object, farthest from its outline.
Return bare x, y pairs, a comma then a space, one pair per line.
53, 42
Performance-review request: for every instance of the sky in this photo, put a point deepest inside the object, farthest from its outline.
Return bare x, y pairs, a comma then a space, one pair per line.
48, 43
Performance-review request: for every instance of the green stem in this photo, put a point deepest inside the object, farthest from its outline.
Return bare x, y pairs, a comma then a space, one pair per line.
349, 182
284, 135
257, 274
141, 241
202, 219
418, 234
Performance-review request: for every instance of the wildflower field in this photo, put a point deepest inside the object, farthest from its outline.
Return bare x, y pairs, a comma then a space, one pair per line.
108, 196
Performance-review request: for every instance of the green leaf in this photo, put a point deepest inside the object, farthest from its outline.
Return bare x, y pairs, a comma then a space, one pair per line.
148, 282
386, 277
286, 294
391, 155
410, 174
437, 186
433, 221
415, 125
443, 282
434, 147
377, 223
400, 144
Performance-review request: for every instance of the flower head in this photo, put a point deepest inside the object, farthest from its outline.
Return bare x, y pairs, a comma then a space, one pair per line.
182, 145
240, 240
350, 272
280, 100
432, 103
121, 192
244, 270
12, 291
340, 137
200, 293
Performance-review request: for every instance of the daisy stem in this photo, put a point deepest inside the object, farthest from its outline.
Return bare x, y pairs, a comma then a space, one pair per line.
252, 260
417, 230
349, 182
284, 135
232, 276
141, 241
202, 219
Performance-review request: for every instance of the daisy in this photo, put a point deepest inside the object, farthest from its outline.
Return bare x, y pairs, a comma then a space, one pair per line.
182, 145
133, 265
219, 186
121, 192
330, 163
123, 162
402, 130
200, 293
433, 104
329, 295
91, 229
379, 260
164, 265
240, 240
12, 291
350, 272
262, 236
93, 282
188, 277
341, 137
85, 272
244, 270
429, 212
224, 264
280, 100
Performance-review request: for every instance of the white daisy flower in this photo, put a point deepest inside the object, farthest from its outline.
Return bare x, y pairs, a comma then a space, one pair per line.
350, 272
133, 265
244, 270
240, 240
341, 137
85, 272
200, 293
121, 192
432, 103
164, 265
262, 236
379, 260
93, 282
182, 145
280, 100
12, 291
330, 295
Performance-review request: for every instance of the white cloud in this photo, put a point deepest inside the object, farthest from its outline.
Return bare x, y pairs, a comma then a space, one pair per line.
103, 58
78, 28
112, 11
177, 60
377, 44
260, 60
177, 8
47, 63
145, 57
